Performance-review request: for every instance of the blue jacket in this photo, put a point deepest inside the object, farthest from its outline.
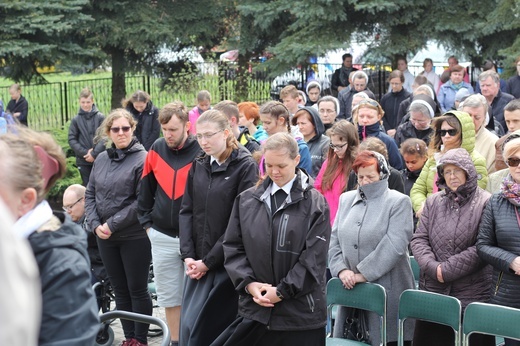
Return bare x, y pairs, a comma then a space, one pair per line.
446, 95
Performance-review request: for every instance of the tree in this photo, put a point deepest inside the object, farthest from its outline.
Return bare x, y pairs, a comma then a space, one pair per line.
38, 34
132, 32
389, 28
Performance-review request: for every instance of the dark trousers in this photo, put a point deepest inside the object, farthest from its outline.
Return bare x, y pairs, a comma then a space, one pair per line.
246, 332
128, 263
511, 342
427, 333
84, 171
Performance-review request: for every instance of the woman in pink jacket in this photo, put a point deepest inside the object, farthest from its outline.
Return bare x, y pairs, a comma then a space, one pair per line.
335, 176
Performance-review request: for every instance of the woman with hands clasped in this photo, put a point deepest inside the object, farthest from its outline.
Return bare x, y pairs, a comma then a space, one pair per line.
111, 209
369, 242
283, 220
225, 169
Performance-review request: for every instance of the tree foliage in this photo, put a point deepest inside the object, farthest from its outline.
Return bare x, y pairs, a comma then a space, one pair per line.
36, 34
299, 29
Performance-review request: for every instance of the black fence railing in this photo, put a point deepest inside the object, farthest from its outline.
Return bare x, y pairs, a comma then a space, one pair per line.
52, 105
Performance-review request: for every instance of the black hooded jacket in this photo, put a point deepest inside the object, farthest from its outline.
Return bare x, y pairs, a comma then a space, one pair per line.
82, 131
287, 250
70, 312
319, 144
207, 203
148, 128
111, 194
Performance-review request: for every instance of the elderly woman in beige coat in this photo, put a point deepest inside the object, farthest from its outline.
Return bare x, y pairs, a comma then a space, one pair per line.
369, 242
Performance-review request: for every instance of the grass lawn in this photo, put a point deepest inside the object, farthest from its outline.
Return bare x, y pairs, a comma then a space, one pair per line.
52, 105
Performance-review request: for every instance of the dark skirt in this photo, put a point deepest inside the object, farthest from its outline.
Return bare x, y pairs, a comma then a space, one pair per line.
246, 332
209, 306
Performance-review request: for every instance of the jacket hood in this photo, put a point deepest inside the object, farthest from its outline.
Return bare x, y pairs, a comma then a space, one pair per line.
90, 114
318, 124
132, 110
468, 129
69, 235
460, 158
119, 154
302, 183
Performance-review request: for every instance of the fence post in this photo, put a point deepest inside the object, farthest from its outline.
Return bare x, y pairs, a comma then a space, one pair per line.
66, 99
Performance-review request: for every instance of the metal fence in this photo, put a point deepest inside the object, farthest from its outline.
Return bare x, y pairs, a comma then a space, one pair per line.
52, 105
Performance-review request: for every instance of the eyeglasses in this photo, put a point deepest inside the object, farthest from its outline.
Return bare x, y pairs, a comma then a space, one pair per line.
455, 172
206, 135
69, 207
337, 146
369, 102
451, 132
118, 129
327, 111
513, 162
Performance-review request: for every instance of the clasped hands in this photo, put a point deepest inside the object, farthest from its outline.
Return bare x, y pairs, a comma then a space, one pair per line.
264, 294
350, 279
196, 269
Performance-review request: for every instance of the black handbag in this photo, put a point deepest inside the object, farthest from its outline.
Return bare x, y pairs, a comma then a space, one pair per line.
356, 326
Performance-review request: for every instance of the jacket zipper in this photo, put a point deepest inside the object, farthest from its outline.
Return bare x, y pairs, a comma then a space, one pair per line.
283, 229
498, 282
310, 301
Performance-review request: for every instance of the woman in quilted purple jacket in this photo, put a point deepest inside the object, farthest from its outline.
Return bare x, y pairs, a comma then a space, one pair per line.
444, 245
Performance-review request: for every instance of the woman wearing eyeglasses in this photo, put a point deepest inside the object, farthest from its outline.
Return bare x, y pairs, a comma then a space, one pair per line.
335, 175
210, 302
444, 245
452, 130
369, 114
498, 240
111, 209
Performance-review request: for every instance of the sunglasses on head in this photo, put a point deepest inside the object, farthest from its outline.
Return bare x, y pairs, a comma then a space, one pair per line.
117, 129
451, 132
369, 102
513, 162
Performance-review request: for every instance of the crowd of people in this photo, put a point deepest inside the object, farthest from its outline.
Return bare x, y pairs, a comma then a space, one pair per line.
246, 209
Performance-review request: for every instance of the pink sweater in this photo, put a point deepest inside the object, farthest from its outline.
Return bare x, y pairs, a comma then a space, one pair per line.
332, 196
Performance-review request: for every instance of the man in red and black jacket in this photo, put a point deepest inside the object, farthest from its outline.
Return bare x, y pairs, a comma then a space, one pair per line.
162, 187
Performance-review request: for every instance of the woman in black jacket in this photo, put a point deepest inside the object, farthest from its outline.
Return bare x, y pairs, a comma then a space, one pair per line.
498, 241
276, 248
390, 101
111, 209
210, 302
146, 114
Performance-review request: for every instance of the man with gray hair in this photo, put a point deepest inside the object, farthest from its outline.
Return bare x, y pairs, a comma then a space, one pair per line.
496, 99
359, 83
476, 106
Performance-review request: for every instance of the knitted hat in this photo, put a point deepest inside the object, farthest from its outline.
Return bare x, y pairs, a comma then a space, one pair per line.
461, 94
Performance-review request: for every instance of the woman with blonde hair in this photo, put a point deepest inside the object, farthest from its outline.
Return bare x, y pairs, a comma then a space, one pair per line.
111, 209
225, 170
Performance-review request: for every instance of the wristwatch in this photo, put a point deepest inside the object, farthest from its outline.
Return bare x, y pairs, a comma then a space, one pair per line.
279, 295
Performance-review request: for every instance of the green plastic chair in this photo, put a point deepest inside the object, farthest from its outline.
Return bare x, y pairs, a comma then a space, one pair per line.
365, 296
492, 320
416, 270
431, 307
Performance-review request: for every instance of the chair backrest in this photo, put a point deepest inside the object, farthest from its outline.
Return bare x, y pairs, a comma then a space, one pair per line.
365, 296
415, 268
432, 307
491, 319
